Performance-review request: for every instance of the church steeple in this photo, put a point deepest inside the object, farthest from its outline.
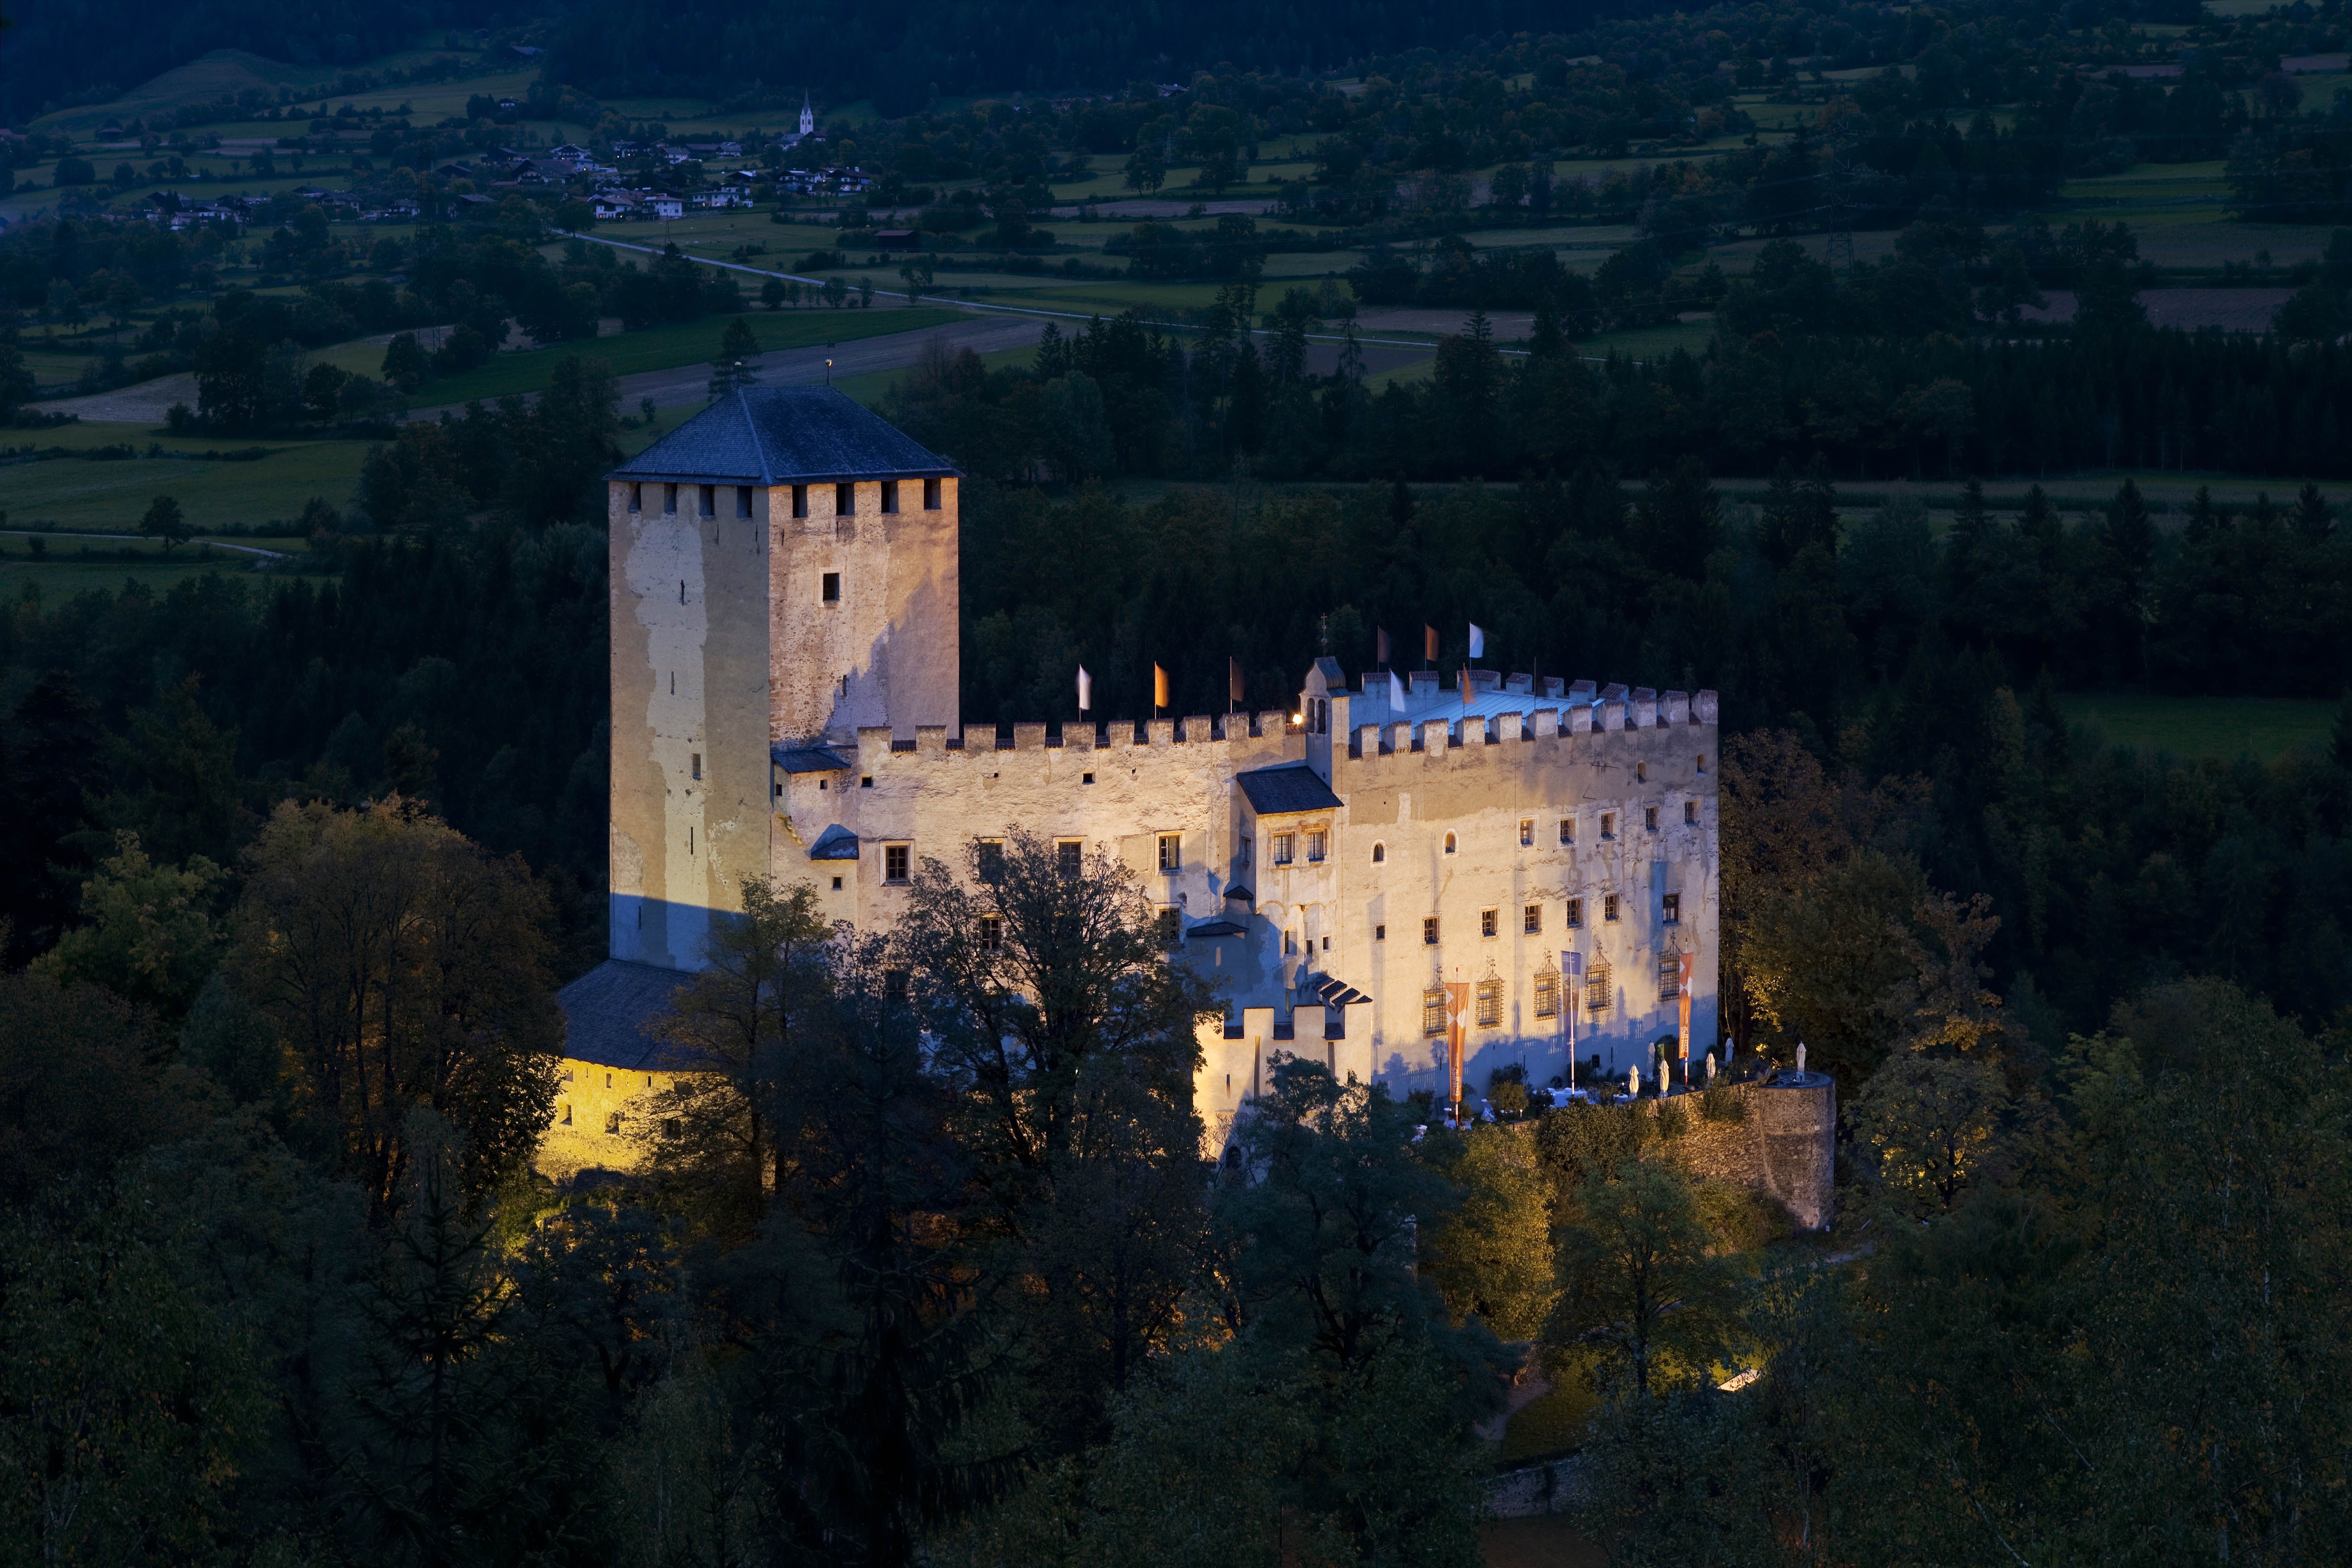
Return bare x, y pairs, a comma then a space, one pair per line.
808, 116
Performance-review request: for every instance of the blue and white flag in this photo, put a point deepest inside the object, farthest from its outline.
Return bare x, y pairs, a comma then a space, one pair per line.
1572, 972
1085, 690
1477, 640
1396, 692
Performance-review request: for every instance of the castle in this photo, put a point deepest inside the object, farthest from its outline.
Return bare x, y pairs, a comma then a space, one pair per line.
1386, 863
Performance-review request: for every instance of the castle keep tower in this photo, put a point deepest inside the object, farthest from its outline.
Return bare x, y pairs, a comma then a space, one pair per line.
783, 574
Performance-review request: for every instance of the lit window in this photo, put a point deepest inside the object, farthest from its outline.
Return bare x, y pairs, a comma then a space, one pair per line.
1429, 931
1527, 832
1488, 922
1069, 858
1650, 818
1574, 917
893, 862
992, 933
1316, 841
1608, 906
1547, 995
1432, 1010
1380, 854
1670, 976
1672, 910
1608, 824
1282, 843
1690, 811
1597, 987
1490, 1003
1171, 851
1531, 920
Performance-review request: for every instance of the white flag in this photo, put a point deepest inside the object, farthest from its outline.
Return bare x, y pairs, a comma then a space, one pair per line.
1477, 640
1085, 690
1396, 692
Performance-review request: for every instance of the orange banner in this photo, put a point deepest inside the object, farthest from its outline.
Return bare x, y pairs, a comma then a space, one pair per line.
1689, 961
1457, 1004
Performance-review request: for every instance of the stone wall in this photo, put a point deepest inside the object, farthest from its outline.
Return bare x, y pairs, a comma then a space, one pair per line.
1784, 1143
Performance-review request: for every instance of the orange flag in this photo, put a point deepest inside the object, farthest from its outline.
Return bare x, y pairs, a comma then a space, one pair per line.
1158, 687
1457, 1005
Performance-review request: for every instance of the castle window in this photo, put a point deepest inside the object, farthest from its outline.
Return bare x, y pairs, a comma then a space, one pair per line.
669, 500
612, 1123
931, 495
1429, 931
1574, 917
1672, 911
1380, 933
844, 500
800, 501
608, 1080
829, 588
1432, 1011
567, 1114
742, 500
1608, 906
836, 884
1527, 832
1702, 762
1379, 853
672, 1126
1531, 920
1317, 842
1650, 818
1449, 844
1690, 812
1490, 1003
1670, 976
710, 501
698, 764
1597, 987
1608, 824
988, 859
992, 933
636, 498
889, 495
1567, 830
1171, 851
1284, 844
1489, 923
1547, 995
1640, 772
866, 780
1070, 857
1290, 941
1085, 778
893, 862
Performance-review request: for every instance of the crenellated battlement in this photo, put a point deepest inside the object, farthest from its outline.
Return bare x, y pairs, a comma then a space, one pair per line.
1241, 741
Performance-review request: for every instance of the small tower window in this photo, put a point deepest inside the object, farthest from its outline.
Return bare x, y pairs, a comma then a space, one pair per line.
889, 495
1650, 818
1379, 853
1567, 830
1531, 920
698, 764
710, 500
844, 500
637, 497
800, 501
1490, 922
742, 500
669, 500
831, 589
931, 495
1608, 906
1608, 824
1449, 844
1690, 812
1429, 931
1671, 910
1573, 914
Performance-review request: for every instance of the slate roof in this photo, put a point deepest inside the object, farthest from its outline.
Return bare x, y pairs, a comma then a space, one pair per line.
1293, 786
835, 843
808, 760
609, 1013
784, 435
1217, 928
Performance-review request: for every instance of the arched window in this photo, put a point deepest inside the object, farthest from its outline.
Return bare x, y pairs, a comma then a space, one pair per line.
1449, 844
1597, 987
1379, 853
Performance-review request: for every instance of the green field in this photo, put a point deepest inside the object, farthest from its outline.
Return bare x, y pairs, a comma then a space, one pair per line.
61, 574
2223, 727
78, 494
689, 343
